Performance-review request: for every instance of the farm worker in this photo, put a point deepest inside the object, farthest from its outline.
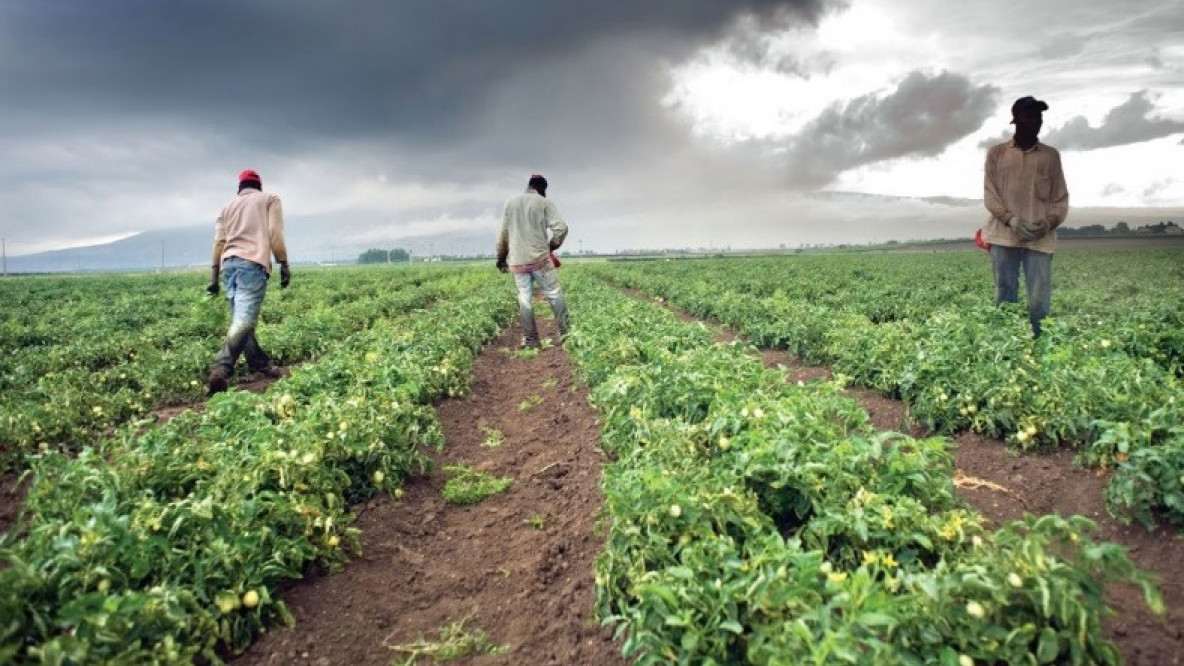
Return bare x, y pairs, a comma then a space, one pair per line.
1024, 189
248, 232
524, 249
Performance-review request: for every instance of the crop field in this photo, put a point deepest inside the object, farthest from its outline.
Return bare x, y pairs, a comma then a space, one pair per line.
416, 485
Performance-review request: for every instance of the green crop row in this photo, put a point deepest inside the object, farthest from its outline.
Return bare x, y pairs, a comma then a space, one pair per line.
1105, 377
165, 544
103, 350
755, 521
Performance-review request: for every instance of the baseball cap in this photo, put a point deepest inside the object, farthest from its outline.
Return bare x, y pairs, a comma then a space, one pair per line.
1026, 105
249, 174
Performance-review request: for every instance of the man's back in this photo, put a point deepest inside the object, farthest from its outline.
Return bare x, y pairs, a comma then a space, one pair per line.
525, 222
246, 224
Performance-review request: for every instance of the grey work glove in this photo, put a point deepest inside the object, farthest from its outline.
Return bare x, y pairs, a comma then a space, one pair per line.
1030, 231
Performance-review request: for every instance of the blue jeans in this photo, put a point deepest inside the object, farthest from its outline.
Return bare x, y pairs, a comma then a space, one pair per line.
1006, 262
548, 280
246, 285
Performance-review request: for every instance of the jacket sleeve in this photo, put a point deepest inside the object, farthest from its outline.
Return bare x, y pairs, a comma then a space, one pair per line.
275, 230
557, 226
219, 243
1058, 203
502, 243
992, 188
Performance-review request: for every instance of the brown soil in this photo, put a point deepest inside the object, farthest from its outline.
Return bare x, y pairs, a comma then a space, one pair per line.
12, 495
1039, 485
426, 564
1043, 484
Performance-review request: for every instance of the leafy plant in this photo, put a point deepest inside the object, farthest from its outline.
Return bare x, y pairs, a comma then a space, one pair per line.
493, 438
455, 641
466, 485
530, 402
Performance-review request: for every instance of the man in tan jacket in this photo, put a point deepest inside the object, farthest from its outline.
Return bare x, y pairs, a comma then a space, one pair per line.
1025, 192
248, 232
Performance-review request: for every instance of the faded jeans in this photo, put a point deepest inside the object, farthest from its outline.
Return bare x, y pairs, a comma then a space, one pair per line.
1006, 262
548, 280
246, 285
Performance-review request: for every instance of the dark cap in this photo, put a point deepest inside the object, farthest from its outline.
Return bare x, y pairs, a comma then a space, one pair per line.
1027, 105
537, 182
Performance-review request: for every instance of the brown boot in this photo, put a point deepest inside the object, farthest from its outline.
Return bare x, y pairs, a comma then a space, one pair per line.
217, 382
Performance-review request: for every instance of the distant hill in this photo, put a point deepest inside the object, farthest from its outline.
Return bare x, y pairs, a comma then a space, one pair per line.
173, 248
190, 247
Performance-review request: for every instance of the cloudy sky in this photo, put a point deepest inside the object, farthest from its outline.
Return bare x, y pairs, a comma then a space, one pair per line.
660, 123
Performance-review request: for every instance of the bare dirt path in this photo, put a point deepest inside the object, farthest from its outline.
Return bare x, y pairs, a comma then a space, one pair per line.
517, 565
1038, 484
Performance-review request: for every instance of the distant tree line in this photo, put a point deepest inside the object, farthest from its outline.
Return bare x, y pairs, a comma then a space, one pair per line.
1168, 227
376, 256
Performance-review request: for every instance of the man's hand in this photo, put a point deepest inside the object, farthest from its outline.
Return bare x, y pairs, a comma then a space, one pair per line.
502, 265
1032, 231
285, 275
552, 245
213, 289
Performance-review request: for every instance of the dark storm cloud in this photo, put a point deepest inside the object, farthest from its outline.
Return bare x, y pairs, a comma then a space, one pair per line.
923, 116
102, 100
1126, 123
304, 69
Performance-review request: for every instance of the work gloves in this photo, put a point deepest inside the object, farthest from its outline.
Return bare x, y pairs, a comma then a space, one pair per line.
285, 275
1030, 231
502, 265
213, 289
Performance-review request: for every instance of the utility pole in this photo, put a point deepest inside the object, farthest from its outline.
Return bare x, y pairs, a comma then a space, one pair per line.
4, 255
161, 256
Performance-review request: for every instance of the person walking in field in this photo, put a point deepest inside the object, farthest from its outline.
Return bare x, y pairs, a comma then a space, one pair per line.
524, 249
249, 231
1025, 192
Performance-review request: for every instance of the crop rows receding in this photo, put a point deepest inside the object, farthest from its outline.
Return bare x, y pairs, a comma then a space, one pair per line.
1105, 378
84, 355
749, 519
756, 521
162, 543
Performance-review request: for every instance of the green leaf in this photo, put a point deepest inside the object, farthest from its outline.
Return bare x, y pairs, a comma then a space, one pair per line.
1047, 647
732, 626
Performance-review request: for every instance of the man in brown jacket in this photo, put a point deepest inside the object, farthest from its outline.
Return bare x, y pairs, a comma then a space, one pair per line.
248, 232
1025, 191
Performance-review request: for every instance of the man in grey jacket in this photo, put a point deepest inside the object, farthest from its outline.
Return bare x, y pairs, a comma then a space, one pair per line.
524, 249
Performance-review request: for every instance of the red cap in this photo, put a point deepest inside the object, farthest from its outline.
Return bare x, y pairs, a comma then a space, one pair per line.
249, 174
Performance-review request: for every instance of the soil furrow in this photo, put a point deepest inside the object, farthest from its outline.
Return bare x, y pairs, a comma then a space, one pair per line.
517, 565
